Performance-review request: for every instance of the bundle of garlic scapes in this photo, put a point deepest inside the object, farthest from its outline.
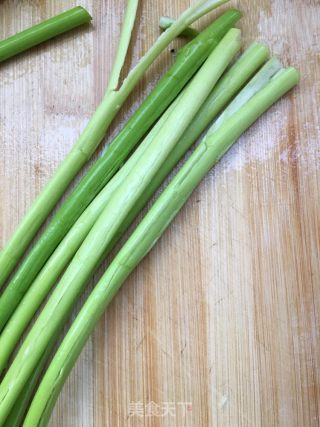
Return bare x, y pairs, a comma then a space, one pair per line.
206, 86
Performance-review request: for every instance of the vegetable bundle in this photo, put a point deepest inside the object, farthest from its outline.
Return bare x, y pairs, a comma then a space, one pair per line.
205, 85
187, 63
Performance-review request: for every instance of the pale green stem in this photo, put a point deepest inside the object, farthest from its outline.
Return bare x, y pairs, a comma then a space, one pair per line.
125, 37
257, 83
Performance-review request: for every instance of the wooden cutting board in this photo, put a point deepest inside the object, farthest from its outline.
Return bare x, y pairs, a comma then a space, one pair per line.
219, 325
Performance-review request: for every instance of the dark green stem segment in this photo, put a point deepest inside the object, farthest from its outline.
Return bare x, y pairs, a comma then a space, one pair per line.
44, 31
189, 59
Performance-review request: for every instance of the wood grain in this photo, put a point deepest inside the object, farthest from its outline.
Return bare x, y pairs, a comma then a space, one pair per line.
224, 313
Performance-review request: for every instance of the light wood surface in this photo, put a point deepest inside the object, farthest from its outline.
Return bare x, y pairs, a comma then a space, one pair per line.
224, 313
